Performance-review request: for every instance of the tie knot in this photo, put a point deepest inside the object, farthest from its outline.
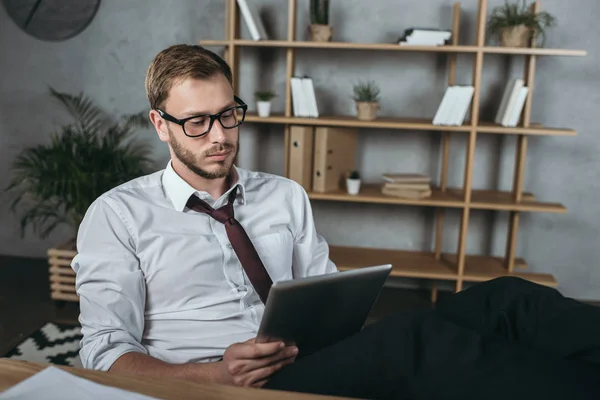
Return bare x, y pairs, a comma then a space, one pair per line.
223, 214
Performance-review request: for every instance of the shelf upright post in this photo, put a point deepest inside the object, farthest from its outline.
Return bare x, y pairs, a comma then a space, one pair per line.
232, 32
520, 154
470, 156
440, 211
290, 59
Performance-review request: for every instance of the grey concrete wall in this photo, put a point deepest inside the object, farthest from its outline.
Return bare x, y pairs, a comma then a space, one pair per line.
109, 59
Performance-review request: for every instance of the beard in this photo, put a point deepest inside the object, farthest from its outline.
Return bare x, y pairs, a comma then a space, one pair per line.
193, 161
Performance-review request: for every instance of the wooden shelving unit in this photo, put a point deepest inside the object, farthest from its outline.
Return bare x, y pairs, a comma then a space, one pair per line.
435, 265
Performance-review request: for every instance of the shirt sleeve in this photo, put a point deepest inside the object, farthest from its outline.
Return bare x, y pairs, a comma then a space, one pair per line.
111, 287
311, 251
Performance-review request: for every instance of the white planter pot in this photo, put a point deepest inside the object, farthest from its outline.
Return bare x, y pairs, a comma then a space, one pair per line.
353, 186
264, 108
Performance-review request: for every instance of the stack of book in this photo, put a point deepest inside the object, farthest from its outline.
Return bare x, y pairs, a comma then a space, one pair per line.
512, 103
304, 101
424, 37
454, 106
411, 186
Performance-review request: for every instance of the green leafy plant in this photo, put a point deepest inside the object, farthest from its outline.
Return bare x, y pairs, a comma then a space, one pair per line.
354, 175
515, 14
366, 92
319, 12
55, 183
264, 95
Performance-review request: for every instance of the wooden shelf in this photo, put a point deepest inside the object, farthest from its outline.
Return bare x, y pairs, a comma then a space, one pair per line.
396, 47
453, 198
533, 129
482, 268
340, 45
504, 201
418, 124
372, 194
534, 51
415, 124
413, 264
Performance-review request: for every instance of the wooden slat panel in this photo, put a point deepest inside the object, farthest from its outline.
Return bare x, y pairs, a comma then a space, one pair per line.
62, 279
61, 253
60, 261
59, 287
61, 270
64, 296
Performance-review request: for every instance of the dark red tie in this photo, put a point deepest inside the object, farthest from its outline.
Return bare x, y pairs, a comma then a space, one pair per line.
240, 242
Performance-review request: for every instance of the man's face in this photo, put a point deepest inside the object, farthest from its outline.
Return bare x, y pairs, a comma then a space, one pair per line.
210, 156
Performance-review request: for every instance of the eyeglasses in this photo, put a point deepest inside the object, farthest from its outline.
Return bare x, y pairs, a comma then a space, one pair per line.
200, 125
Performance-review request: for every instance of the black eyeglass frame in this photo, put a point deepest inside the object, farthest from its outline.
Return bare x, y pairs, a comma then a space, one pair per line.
212, 117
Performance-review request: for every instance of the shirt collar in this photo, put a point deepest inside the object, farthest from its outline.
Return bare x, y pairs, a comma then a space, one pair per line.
179, 191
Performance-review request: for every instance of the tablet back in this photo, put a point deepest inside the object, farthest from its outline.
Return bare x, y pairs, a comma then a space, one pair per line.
318, 311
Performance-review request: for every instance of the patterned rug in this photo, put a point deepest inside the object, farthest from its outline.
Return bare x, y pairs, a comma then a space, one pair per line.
52, 343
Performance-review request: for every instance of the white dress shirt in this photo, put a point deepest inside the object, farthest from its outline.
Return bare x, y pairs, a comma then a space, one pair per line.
158, 278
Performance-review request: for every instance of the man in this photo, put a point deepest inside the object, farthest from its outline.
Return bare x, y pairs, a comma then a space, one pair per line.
169, 287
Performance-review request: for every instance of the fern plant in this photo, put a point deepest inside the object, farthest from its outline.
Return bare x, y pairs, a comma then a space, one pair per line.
366, 92
513, 14
319, 12
55, 183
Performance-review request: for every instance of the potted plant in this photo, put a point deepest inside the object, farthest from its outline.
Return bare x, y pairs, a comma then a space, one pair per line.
366, 96
263, 102
55, 183
353, 183
320, 30
517, 25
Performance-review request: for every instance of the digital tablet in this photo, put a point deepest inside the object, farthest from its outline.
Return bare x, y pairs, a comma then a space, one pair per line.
317, 311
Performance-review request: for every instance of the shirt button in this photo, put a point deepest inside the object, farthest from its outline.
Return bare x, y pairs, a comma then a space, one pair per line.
229, 246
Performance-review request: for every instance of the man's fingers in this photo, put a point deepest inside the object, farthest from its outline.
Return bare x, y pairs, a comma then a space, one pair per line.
252, 351
250, 365
259, 377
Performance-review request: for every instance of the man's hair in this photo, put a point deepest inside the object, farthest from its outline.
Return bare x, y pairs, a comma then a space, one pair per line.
177, 63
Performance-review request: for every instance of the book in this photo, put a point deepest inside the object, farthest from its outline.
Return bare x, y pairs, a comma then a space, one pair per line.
512, 102
308, 90
406, 193
299, 98
405, 178
516, 111
252, 19
424, 37
407, 186
454, 106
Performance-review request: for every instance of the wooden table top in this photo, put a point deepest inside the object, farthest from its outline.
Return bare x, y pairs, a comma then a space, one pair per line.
14, 371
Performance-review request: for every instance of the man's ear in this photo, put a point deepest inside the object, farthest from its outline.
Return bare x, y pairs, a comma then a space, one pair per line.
160, 125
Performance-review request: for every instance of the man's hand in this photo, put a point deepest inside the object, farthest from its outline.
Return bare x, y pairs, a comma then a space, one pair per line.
251, 363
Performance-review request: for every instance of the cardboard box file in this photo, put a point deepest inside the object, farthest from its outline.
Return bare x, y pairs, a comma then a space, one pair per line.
301, 155
334, 156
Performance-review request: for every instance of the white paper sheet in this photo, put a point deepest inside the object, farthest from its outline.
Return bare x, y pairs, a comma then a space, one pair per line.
55, 384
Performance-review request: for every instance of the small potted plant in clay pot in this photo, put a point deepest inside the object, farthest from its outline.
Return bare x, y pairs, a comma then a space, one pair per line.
320, 30
353, 183
366, 96
516, 25
263, 102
